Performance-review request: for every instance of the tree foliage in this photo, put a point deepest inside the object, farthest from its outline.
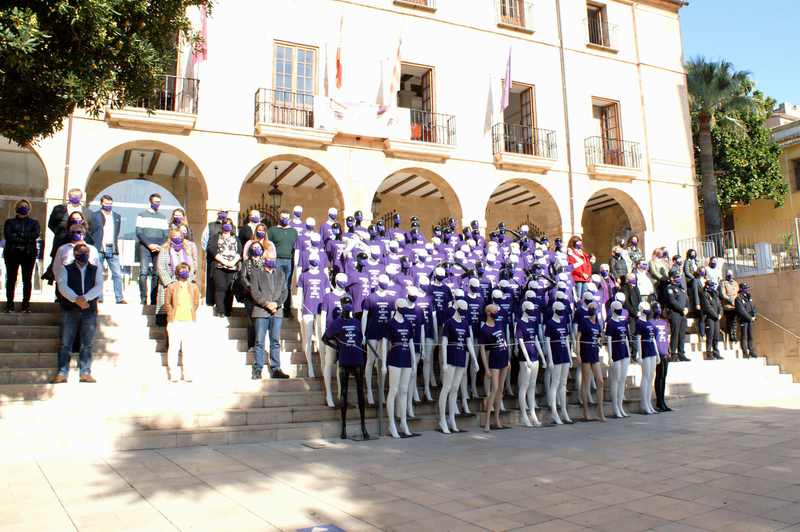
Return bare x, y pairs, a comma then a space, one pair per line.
56, 55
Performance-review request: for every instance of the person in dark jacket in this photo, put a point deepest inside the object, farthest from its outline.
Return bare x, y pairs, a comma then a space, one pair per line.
712, 311
57, 222
213, 228
253, 263
105, 225
268, 292
20, 233
746, 315
618, 266
695, 290
677, 308
226, 253
632, 299
151, 232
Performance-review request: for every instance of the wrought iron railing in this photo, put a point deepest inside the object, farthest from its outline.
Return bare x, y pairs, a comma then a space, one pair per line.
616, 152
512, 12
435, 128
601, 33
175, 94
275, 106
526, 140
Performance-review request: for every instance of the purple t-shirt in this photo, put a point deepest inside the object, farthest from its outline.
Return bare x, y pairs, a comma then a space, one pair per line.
648, 332
374, 270
558, 334
662, 337
358, 288
416, 317
379, 310
617, 331
334, 250
399, 334
456, 333
331, 306
314, 286
346, 332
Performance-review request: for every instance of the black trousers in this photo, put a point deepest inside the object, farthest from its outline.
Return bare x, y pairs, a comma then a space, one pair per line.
746, 338
730, 324
210, 283
677, 333
661, 382
712, 336
13, 265
344, 377
223, 290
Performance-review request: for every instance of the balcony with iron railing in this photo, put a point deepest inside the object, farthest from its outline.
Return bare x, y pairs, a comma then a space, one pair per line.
524, 148
431, 136
173, 107
514, 15
426, 5
608, 158
287, 117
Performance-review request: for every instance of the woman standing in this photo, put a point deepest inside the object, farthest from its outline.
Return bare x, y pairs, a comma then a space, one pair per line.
174, 251
20, 234
180, 221
226, 252
634, 253
260, 236
581, 265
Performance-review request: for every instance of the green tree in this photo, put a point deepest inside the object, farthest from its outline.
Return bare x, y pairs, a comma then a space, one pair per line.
748, 165
56, 55
717, 96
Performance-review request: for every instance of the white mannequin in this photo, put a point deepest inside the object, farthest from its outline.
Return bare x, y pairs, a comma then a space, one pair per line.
496, 296
586, 300
310, 326
463, 388
504, 284
398, 381
528, 373
619, 368
494, 392
329, 355
428, 377
297, 214
413, 390
453, 376
557, 391
473, 293
648, 366
374, 346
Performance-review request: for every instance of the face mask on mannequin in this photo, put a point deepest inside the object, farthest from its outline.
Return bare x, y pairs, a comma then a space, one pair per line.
412, 297
383, 284
313, 262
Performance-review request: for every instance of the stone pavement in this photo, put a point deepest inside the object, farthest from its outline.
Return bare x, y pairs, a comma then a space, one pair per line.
703, 468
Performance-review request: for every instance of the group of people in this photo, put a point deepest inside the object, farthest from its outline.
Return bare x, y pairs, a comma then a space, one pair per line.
385, 298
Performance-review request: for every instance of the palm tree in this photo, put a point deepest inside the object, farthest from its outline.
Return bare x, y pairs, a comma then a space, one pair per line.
717, 94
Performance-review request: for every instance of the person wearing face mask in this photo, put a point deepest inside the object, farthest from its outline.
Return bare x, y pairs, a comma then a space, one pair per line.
151, 232
179, 219
695, 293
728, 290
106, 225
254, 260
714, 271
581, 266
644, 282
79, 285
634, 253
659, 269
213, 228
58, 220
746, 315
268, 294
632, 300
64, 254
712, 309
284, 237
20, 252
174, 251
260, 236
181, 300
618, 266
75, 218
247, 231
226, 252
690, 265
678, 308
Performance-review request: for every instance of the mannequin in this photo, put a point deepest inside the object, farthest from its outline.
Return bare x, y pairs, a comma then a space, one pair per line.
400, 352
587, 299
494, 351
325, 228
414, 313
441, 299
331, 304
297, 220
527, 332
374, 321
589, 332
455, 343
463, 390
312, 285
358, 216
617, 335
502, 319
506, 304
558, 349
647, 348
475, 304
344, 336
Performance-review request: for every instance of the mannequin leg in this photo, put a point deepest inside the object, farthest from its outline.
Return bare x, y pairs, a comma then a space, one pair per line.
435, 347
562, 392
621, 377
344, 377
394, 389
552, 373
412, 389
374, 346
359, 374
402, 400
473, 373
447, 383
329, 355
647, 382
498, 399
585, 371
597, 373
427, 368
523, 380
584, 402
615, 369
307, 335
592, 386
491, 391
531, 395
463, 389
453, 396
507, 383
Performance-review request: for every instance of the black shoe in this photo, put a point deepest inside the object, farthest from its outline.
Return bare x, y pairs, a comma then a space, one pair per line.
9, 307
256, 374
278, 374
343, 435
364, 433
717, 356
682, 358
26, 308
753, 355
665, 408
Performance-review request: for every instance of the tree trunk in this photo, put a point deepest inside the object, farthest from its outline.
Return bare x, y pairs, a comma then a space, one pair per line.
711, 209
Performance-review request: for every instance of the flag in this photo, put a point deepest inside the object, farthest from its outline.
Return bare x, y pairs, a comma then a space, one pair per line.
326, 82
339, 56
200, 52
489, 119
507, 83
389, 95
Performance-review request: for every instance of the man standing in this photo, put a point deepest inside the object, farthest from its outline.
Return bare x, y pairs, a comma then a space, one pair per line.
246, 231
746, 312
80, 284
712, 309
677, 304
104, 227
268, 292
213, 228
284, 238
151, 232
57, 223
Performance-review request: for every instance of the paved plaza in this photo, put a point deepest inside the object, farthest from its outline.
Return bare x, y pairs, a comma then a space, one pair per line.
702, 468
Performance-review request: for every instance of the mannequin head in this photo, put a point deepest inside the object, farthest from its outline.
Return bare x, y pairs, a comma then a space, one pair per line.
645, 312
383, 281
313, 260
374, 252
347, 311
336, 231
411, 296
497, 295
474, 286
332, 214
587, 299
619, 297
527, 308
460, 307
559, 310
616, 310
391, 269
340, 280
297, 211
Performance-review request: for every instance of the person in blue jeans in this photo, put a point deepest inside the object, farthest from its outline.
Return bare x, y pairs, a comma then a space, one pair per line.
268, 293
79, 285
105, 225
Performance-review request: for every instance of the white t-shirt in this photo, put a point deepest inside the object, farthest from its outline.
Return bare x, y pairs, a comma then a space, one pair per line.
108, 229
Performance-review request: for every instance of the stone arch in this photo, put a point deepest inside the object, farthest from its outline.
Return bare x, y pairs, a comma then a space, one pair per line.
611, 215
416, 191
522, 201
23, 175
301, 181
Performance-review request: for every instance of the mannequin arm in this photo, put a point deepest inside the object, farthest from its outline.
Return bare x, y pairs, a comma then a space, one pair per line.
443, 352
385, 349
364, 315
608, 341
638, 354
435, 323
471, 348
523, 350
655, 346
539, 352
411, 348
549, 353
422, 335
300, 304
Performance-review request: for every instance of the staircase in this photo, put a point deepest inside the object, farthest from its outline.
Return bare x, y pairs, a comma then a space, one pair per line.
133, 406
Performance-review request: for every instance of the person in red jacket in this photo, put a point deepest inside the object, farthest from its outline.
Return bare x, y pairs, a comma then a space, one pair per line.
581, 267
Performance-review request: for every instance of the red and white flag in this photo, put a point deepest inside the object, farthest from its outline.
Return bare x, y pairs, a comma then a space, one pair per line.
507, 84
389, 93
339, 67
200, 52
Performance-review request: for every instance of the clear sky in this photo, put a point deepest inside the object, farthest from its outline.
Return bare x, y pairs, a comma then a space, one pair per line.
761, 36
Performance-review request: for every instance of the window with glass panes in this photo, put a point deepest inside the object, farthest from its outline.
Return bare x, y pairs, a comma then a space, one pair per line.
294, 74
